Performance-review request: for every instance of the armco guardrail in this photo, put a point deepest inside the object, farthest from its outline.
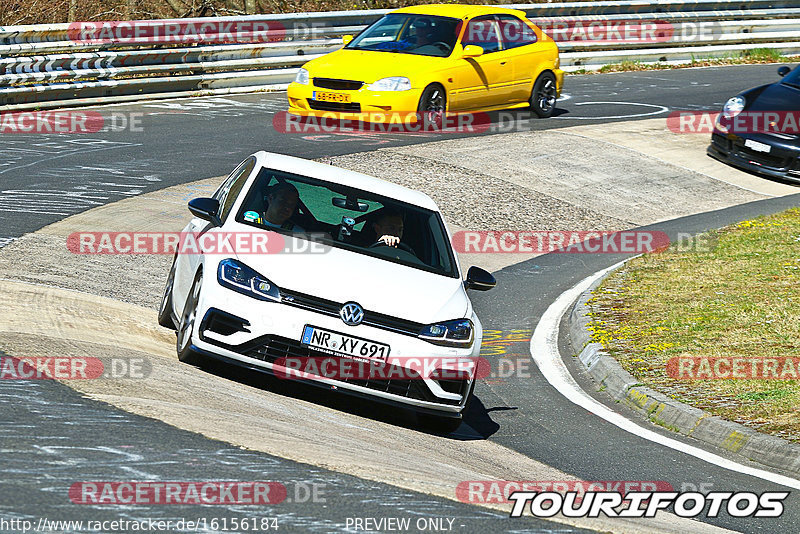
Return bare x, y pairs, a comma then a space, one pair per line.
54, 65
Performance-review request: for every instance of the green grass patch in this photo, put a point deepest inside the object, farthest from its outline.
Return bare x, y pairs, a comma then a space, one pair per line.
747, 57
737, 298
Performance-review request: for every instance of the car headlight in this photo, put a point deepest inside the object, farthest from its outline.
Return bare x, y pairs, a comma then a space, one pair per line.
302, 76
734, 106
457, 333
239, 277
394, 83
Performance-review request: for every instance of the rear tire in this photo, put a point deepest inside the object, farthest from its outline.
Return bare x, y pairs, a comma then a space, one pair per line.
544, 95
165, 310
188, 318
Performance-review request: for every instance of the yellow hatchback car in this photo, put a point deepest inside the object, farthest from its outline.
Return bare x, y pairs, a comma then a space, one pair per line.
433, 60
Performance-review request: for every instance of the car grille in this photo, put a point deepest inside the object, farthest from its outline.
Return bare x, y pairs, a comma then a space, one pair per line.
775, 162
331, 308
342, 107
721, 141
271, 348
338, 85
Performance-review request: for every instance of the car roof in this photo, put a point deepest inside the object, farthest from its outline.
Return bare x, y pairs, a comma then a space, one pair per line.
338, 175
459, 11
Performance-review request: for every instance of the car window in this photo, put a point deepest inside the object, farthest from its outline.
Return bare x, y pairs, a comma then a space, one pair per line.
350, 219
514, 32
426, 35
793, 78
482, 31
230, 190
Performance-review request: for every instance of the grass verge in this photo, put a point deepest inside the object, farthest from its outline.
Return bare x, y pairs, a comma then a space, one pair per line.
748, 57
736, 298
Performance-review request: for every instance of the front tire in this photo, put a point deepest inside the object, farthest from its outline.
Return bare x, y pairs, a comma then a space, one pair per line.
543, 96
188, 318
165, 310
432, 106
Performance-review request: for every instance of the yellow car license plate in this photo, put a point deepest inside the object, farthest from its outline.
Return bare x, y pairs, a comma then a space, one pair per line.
331, 97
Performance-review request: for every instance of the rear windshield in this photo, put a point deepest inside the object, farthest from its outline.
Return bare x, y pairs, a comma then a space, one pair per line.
349, 219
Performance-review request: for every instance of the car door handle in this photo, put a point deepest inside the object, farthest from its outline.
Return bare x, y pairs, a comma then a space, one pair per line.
503, 62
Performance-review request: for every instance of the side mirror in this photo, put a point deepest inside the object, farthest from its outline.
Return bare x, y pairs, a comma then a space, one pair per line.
783, 71
472, 51
205, 208
479, 279
346, 39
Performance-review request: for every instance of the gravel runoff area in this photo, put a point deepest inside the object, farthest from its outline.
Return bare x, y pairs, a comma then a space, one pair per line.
472, 199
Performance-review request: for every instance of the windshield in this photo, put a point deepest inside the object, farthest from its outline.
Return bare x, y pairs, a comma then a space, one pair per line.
424, 35
350, 219
793, 78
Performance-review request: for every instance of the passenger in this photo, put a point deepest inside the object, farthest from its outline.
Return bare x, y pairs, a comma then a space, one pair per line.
389, 227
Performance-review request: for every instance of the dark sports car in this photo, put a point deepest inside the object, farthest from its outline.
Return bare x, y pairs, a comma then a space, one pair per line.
759, 130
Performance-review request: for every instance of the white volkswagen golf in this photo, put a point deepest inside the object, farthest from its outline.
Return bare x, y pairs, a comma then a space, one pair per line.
342, 280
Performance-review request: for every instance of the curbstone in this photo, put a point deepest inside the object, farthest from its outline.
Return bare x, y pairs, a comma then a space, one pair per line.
670, 413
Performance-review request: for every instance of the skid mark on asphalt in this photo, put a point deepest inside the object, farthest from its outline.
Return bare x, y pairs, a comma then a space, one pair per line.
217, 108
83, 187
25, 151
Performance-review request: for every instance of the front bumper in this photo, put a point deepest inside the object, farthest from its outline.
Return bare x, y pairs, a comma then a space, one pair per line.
398, 107
559, 80
783, 160
272, 331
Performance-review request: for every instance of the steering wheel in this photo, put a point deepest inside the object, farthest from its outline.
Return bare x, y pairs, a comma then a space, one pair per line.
401, 246
442, 45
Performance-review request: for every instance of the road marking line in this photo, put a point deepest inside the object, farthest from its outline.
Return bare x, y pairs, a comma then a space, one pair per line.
661, 109
545, 352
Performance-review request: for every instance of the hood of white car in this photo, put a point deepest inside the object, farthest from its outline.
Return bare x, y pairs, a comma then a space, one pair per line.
377, 285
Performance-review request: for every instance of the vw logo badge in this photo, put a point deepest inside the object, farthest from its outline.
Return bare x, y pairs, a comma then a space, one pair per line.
352, 314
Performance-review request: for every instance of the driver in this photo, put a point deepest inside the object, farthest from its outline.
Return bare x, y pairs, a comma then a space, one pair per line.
422, 33
389, 227
281, 200
418, 35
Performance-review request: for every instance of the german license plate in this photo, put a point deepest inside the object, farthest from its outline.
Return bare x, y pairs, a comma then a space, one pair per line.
331, 97
338, 344
755, 145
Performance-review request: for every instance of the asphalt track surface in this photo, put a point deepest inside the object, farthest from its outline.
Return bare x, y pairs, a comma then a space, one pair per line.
52, 437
